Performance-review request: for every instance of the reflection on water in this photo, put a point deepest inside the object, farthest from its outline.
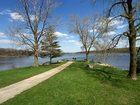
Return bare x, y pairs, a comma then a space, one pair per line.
117, 60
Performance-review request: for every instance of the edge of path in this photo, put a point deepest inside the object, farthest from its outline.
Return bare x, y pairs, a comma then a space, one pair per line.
12, 90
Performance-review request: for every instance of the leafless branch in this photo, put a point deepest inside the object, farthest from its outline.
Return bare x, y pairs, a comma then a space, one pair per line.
115, 4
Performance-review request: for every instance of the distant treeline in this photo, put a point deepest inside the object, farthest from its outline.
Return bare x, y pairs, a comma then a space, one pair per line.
114, 50
14, 52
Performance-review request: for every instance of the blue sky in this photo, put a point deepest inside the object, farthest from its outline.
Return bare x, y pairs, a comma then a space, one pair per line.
69, 42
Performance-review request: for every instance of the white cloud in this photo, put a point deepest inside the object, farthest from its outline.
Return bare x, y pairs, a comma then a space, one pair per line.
90, 30
59, 34
70, 46
121, 26
5, 41
111, 33
32, 17
2, 35
138, 42
138, 38
75, 42
115, 22
16, 16
68, 37
10, 20
27, 35
71, 36
71, 41
7, 11
95, 30
13, 15
122, 43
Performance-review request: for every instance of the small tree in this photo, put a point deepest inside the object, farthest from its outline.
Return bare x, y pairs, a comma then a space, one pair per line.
89, 30
50, 46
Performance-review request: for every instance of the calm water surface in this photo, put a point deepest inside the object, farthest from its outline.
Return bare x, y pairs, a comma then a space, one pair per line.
118, 60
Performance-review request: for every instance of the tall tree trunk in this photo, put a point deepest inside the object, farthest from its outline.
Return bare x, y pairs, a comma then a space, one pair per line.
87, 55
138, 64
138, 60
50, 59
132, 43
133, 59
36, 64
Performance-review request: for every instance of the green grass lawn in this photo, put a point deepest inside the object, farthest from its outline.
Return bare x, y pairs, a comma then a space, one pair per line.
11, 76
78, 85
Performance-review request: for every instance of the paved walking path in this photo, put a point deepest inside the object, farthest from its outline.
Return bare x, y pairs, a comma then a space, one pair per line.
12, 90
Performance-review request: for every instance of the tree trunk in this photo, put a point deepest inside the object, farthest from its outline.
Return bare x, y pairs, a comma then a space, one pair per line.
132, 43
87, 55
36, 64
138, 63
133, 59
50, 59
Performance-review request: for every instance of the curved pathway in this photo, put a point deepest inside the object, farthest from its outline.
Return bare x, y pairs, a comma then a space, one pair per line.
12, 90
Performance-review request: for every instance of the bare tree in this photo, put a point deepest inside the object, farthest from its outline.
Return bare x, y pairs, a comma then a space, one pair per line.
102, 44
102, 47
88, 30
128, 10
35, 15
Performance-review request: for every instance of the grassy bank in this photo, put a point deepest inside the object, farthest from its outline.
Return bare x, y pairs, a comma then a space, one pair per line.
78, 85
11, 76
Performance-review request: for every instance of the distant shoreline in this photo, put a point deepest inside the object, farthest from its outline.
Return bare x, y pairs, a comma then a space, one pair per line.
115, 50
15, 56
22, 53
7, 52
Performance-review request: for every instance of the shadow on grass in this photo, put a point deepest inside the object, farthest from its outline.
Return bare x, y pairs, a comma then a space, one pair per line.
111, 76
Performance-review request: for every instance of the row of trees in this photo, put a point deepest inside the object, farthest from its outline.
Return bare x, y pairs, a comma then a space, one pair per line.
92, 31
14, 52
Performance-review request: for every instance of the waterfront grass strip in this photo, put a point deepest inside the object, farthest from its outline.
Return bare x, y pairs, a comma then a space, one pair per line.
11, 91
78, 85
12, 76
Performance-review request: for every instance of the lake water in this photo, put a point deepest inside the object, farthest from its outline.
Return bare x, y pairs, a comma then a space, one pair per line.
120, 60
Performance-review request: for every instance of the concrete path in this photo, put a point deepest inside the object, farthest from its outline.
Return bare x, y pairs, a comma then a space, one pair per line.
12, 90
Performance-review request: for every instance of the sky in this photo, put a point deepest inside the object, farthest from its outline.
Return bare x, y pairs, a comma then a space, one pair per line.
69, 42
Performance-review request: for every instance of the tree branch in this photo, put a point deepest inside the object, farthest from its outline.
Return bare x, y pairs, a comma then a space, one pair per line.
26, 7
118, 37
117, 3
